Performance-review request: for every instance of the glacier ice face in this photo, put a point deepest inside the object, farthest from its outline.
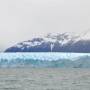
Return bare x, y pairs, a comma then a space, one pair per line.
77, 60
41, 55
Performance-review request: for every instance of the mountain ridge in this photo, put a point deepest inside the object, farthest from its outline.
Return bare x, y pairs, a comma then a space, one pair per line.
61, 42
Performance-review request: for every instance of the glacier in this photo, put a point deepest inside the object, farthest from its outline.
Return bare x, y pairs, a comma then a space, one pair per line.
45, 59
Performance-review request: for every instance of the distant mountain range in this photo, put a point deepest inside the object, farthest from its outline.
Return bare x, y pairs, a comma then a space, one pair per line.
64, 42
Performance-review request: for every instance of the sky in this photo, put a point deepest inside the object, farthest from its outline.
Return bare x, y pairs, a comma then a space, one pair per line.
24, 19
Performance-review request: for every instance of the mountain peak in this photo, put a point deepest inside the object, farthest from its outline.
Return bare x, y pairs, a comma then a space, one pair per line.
57, 42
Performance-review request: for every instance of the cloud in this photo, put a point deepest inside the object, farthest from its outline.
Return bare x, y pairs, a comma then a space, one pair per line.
23, 19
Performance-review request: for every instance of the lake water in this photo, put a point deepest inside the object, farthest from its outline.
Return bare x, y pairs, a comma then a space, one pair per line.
44, 79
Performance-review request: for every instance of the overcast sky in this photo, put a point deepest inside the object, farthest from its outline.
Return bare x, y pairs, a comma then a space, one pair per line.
23, 19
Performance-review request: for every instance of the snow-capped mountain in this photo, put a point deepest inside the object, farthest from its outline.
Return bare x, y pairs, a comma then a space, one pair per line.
63, 42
